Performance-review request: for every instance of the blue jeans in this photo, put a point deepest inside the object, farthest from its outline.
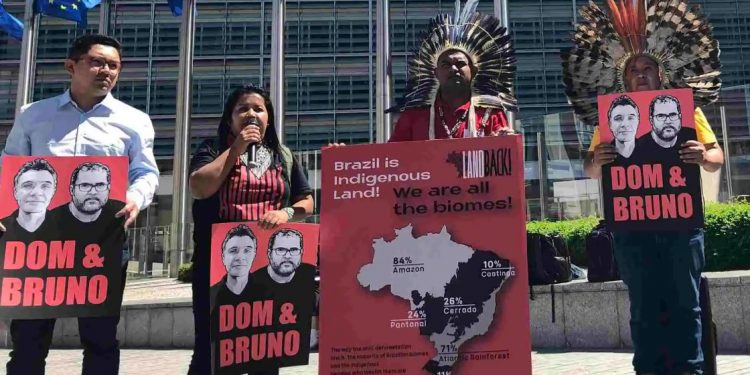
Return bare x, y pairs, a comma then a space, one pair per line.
662, 272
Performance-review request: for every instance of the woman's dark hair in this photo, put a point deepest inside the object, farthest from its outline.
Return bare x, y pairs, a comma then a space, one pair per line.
270, 139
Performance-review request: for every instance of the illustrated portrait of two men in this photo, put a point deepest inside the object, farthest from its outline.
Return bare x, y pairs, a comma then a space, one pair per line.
284, 262
648, 185
665, 119
37, 182
268, 274
62, 236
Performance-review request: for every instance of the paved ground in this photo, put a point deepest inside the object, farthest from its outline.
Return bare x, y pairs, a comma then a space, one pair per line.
174, 362
155, 289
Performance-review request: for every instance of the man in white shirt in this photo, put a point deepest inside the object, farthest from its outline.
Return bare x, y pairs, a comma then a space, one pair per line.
86, 120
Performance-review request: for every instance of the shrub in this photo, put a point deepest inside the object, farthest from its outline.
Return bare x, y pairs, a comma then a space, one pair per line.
728, 236
727, 228
185, 272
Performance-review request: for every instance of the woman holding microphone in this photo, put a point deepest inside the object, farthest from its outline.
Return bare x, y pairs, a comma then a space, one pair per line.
245, 174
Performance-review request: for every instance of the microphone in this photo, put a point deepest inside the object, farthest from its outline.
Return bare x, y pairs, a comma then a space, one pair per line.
251, 162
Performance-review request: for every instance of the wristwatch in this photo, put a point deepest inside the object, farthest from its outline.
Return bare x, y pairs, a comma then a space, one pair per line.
289, 211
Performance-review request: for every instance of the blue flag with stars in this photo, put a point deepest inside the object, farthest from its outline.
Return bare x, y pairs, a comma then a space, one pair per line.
73, 10
10, 24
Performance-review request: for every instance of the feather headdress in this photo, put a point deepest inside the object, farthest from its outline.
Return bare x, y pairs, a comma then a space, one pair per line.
487, 45
678, 39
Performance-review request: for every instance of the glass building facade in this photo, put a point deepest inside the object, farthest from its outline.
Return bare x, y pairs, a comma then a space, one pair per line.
330, 57
330, 82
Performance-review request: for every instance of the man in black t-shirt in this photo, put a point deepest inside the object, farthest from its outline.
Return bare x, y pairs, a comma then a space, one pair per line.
662, 146
285, 250
623, 123
90, 186
33, 188
288, 280
667, 134
89, 217
237, 253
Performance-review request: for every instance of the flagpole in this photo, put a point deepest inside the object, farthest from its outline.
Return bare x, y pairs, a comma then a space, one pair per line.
278, 18
383, 72
180, 238
104, 17
26, 70
501, 12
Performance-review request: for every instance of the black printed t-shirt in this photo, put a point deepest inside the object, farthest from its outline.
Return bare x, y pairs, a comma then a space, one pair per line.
243, 196
48, 231
15, 232
300, 292
221, 295
647, 151
106, 231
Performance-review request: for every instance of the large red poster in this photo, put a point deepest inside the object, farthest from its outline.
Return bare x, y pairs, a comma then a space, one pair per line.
62, 253
262, 295
647, 186
423, 259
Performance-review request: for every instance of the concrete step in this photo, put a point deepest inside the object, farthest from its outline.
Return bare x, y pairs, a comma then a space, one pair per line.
597, 315
586, 316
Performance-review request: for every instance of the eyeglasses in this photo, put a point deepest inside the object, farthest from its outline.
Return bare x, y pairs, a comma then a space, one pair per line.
281, 251
85, 187
98, 63
672, 116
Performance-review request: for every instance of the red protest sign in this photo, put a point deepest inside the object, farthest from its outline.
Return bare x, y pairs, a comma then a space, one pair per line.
62, 252
648, 186
423, 258
262, 295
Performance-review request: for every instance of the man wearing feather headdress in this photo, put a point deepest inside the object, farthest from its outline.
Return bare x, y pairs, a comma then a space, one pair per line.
634, 47
460, 80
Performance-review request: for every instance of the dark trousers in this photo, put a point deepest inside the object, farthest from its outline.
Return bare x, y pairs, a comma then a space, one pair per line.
31, 341
200, 364
662, 272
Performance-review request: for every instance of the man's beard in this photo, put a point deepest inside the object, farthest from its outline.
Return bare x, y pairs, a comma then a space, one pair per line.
453, 88
82, 206
279, 271
662, 136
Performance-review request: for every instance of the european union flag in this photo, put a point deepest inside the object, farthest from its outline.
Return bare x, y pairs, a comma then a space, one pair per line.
74, 10
176, 7
10, 24
90, 4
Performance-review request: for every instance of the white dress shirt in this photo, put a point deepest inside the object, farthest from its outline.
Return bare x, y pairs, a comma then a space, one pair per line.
58, 127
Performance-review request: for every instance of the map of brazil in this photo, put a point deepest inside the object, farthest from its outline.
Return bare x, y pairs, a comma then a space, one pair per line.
452, 288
